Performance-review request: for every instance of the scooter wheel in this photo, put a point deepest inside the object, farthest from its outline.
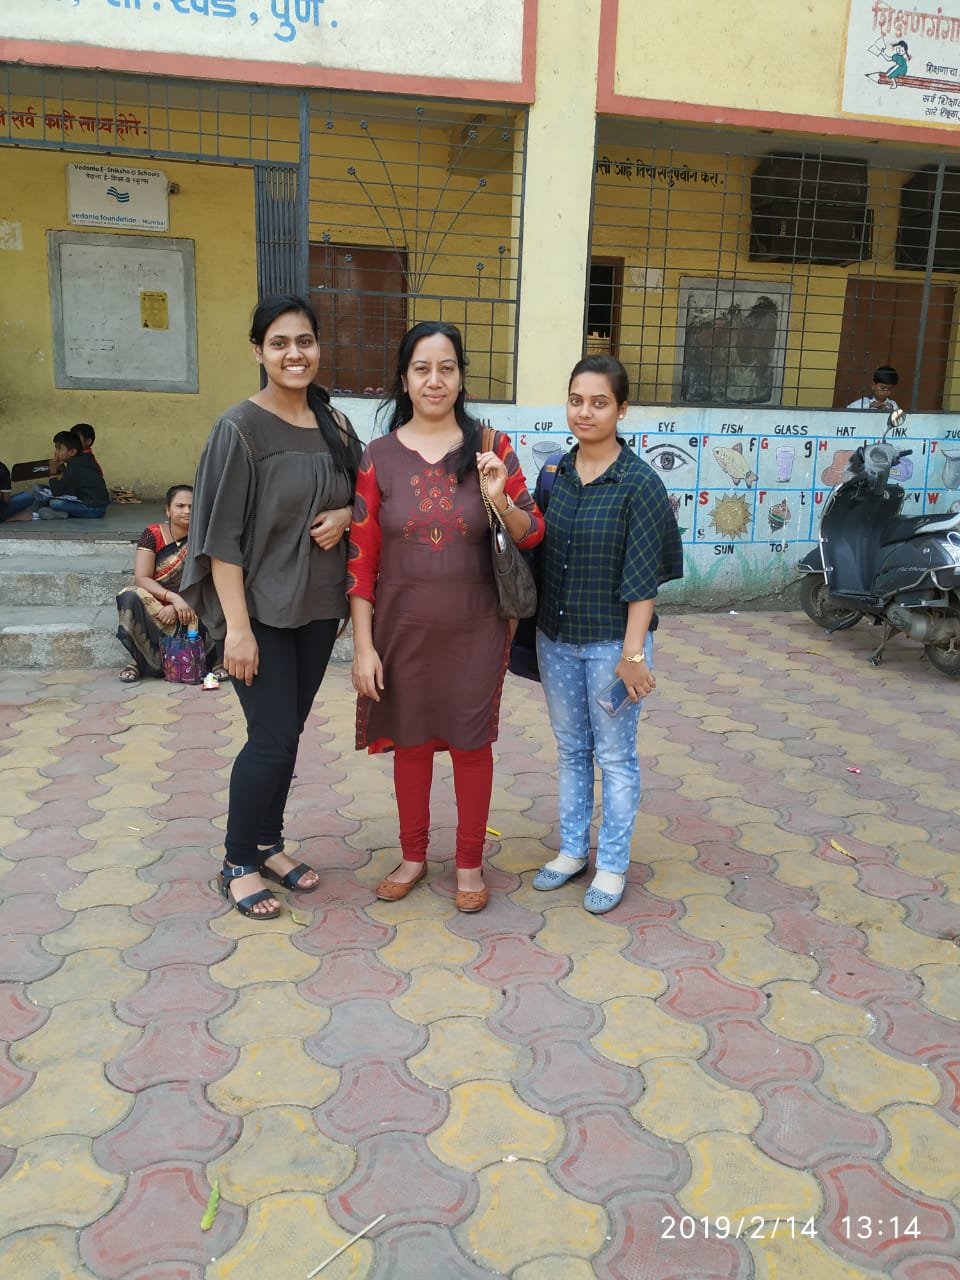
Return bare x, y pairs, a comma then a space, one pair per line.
815, 603
946, 661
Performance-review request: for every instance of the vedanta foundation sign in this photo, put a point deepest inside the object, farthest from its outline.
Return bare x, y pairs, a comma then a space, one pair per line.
102, 195
472, 40
903, 64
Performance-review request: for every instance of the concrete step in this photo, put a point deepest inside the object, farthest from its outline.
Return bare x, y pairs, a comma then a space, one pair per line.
58, 637
54, 637
119, 551
72, 580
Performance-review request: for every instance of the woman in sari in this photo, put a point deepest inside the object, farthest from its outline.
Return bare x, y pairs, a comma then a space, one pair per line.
152, 607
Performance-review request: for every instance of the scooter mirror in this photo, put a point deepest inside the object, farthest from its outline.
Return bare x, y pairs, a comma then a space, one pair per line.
897, 418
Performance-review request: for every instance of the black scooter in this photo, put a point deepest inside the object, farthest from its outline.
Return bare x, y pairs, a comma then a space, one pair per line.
901, 571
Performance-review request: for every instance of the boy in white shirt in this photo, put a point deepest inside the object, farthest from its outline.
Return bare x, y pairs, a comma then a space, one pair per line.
884, 380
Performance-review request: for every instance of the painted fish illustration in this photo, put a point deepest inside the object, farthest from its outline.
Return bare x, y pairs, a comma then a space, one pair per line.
779, 516
735, 464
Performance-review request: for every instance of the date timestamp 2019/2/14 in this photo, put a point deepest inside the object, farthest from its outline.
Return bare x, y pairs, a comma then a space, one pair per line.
756, 1227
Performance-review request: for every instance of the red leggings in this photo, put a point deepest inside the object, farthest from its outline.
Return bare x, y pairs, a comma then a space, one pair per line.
472, 782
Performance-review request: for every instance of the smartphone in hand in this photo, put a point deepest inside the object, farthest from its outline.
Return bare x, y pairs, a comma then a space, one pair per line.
614, 698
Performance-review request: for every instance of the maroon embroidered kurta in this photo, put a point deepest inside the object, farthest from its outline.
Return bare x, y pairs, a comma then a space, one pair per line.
420, 552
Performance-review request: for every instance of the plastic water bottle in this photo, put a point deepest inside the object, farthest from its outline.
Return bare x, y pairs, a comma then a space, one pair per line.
191, 658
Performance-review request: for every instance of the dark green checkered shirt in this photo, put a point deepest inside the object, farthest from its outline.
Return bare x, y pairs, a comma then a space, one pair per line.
607, 544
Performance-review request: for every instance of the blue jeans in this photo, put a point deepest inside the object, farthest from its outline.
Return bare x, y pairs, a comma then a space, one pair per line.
72, 506
16, 503
573, 675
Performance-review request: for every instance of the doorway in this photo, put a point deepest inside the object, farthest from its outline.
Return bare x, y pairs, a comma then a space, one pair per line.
359, 295
881, 320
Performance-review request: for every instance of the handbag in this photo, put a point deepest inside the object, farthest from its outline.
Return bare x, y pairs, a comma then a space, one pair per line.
516, 588
523, 650
182, 657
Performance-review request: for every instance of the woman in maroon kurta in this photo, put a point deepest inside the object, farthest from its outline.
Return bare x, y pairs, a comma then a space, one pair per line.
430, 649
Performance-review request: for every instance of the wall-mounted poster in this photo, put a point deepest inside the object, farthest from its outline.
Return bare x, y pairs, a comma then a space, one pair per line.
903, 64
124, 311
731, 341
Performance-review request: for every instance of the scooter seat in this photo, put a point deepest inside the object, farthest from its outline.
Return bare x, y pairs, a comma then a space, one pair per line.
903, 528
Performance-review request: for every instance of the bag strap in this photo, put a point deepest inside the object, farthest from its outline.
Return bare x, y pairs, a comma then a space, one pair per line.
493, 515
487, 438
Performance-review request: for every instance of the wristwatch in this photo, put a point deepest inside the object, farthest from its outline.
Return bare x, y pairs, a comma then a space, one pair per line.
511, 505
634, 657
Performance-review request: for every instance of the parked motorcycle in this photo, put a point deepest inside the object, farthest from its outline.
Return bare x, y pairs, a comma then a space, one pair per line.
901, 571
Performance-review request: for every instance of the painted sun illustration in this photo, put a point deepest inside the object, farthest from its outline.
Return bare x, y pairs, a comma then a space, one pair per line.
730, 516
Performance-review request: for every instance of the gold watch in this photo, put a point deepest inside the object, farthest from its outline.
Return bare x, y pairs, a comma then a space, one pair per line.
634, 657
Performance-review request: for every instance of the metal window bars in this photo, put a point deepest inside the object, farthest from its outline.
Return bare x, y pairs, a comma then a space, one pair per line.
414, 215
389, 211
764, 270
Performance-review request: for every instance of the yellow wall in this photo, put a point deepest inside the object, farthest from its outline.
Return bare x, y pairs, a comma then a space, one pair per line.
559, 177
749, 54
145, 440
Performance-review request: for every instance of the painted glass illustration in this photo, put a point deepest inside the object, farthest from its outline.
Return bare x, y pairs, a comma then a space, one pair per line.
732, 340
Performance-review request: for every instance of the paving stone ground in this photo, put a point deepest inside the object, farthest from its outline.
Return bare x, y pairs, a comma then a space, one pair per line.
750, 1069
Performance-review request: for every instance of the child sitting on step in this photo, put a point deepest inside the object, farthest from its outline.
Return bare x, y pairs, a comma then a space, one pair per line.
78, 489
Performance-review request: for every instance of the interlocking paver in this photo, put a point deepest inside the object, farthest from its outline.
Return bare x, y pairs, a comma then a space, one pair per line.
397, 1173
55, 1181
681, 1100
280, 1150
270, 1073
19, 1016
522, 1213
606, 1153
924, 1150
765, 1022
488, 1123
645, 1239
859, 1189
168, 1122
158, 1221
288, 1235
800, 1127
379, 1096
43, 1251
75, 1030
746, 1054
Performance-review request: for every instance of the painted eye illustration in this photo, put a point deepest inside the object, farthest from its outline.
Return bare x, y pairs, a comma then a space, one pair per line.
668, 459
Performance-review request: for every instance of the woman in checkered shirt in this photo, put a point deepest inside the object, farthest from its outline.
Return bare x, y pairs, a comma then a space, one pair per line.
611, 540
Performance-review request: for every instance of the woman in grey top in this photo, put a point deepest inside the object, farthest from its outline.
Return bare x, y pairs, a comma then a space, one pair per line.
266, 571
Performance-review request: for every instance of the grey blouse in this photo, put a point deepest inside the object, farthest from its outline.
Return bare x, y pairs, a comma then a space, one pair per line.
260, 484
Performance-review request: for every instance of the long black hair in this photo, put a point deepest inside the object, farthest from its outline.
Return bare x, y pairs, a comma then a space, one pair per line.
397, 408
340, 437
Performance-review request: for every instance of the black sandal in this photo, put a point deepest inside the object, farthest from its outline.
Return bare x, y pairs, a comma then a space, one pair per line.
293, 877
245, 905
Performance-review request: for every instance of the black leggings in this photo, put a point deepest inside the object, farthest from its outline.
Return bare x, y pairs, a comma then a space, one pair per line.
276, 706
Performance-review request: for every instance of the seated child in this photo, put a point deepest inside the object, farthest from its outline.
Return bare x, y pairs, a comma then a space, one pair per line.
13, 506
78, 490
86, 435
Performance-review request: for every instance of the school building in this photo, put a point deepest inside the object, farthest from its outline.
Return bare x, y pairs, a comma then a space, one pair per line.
752, 205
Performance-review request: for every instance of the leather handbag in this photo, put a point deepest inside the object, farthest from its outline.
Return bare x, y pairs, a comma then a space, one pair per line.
516, 588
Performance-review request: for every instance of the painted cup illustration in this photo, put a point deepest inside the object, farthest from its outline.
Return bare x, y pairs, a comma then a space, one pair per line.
543, 451
785, 456
950, 478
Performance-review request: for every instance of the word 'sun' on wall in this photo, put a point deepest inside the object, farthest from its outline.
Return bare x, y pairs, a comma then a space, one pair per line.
451, 39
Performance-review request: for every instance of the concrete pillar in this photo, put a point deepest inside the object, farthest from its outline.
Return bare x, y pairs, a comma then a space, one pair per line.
559, 187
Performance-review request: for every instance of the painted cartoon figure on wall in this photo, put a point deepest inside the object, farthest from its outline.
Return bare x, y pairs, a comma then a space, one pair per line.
900, 56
